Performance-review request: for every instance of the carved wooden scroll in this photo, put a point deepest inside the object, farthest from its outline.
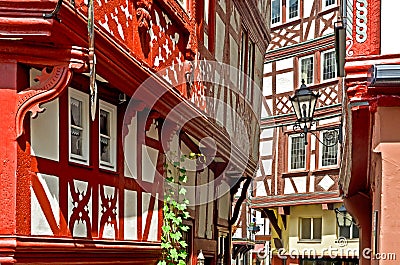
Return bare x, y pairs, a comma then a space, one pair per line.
143, 13
51, 83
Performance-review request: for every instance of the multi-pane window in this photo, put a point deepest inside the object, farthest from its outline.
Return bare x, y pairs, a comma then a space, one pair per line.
250, 70
329, 148
329, 2
275, 11
311, 228
293, 8
78, 126
107, 131
307, 69
297, 152
328, 65
349, 231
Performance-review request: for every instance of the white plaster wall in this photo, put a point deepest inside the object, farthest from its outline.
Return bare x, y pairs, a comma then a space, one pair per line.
130, 150
288, 187
201, 196
307, 4
265, 148
300, 183
219, 38
284, 82
45, 132
130, 215
267, 86
149, 163
210, 205
223, 200
39, 223
260, 191
153, 232
284, 64
235, 19
267, 165
390, 20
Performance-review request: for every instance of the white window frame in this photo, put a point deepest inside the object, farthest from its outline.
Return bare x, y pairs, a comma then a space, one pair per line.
288, 11
323, 62
84, 98
321, 150
311, 229
352, 227
290, 154
300, 69
112, 110
324, 6
280, 14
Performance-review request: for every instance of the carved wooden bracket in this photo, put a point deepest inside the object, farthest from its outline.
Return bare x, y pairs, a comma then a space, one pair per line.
143, 13
52, 83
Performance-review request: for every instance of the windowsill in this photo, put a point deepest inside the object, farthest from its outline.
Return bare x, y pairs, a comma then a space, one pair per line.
108, 170
295, 173
348, 240
79, 164
327, 170
327, 9
308, 241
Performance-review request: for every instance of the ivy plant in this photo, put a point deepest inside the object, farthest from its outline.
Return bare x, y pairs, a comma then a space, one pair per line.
173, 244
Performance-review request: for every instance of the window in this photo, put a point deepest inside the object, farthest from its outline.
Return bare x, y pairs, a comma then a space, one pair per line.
297, 156
307, 69
250, 70
328, 65
78, 126
293, 8
275, 11
310, 228
328, 2
107, 131
329, 156
349, 232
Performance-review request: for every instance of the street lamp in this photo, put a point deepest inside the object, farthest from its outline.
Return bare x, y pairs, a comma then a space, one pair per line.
304, 102
200, 258
343, 218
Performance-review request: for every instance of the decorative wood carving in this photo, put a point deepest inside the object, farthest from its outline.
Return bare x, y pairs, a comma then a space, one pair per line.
109, 211
143, 13
80, 212
51, 83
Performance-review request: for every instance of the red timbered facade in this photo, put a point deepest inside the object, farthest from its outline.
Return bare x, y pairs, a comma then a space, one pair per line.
93, 109
368, 178
296, 186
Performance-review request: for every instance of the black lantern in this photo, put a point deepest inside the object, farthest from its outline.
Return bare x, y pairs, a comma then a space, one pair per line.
304, 102
343, 218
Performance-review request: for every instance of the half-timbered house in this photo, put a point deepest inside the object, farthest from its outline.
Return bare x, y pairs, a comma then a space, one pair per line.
296, 186
96, 96
369, 177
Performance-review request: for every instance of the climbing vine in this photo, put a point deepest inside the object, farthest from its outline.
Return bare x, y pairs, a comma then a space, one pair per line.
175, 211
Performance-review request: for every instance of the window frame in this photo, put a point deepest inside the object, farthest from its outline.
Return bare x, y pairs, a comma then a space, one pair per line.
280, 14
112, 110
351, 232
311, 229
323, 54
324, 6
84, 98
290, 143
288, 11
321, 151
301, 68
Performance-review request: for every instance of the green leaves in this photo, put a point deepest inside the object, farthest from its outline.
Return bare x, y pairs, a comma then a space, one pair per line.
173, 243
